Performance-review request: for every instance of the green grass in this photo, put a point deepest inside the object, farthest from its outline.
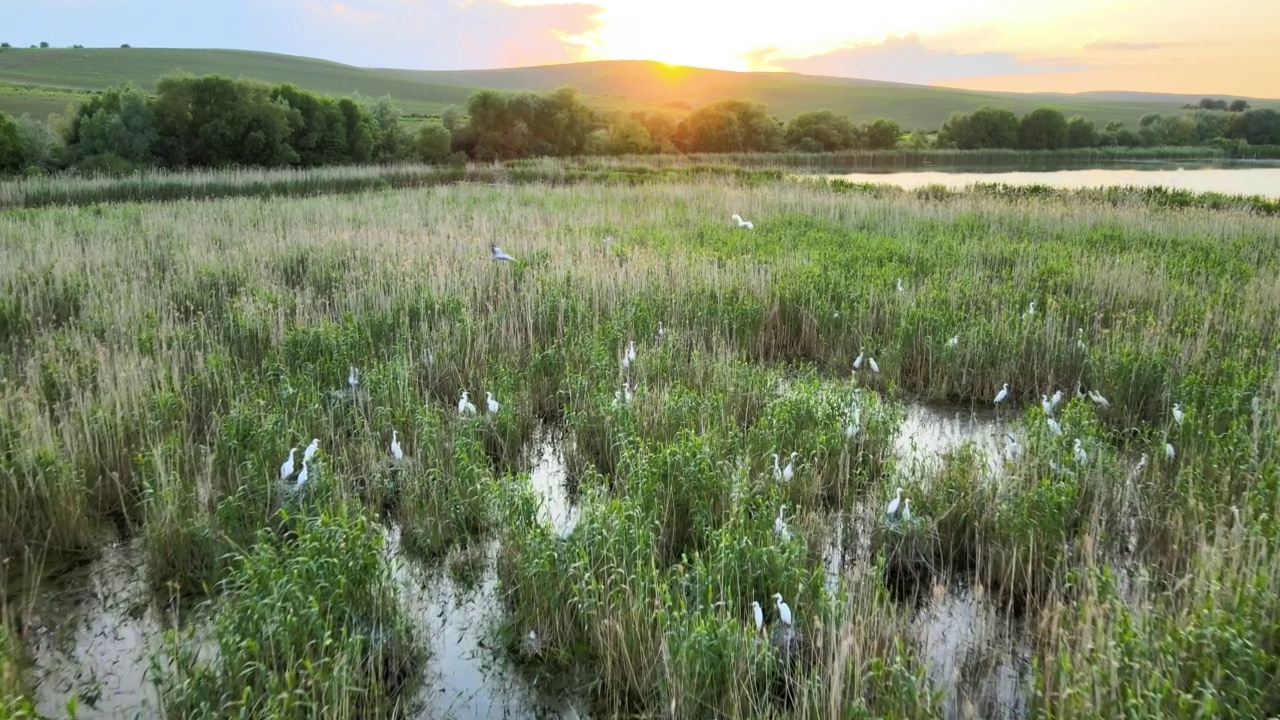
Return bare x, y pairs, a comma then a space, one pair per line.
158, 360
623, 85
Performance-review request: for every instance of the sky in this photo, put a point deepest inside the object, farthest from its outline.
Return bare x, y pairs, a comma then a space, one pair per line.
1183, 46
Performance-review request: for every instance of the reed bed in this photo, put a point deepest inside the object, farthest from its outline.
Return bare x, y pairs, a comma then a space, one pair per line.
158, 362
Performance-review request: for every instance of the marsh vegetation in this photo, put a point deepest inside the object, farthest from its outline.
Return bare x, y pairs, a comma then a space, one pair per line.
158, 361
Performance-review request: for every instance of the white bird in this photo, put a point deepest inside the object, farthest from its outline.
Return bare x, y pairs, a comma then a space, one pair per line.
1142, 463
1099, 399
1080, 340
1168, 451
777, 469
626, 392
1054, 428
852, 429
857, 362
498, 254
1011, 447
784, 611
872, 363
1044, 403
894, 503
743, 223
631, 352
310, 451
789, 471
1080, 455
780, 526
906, 510
661, 332
465, 405
396, 452
899, 284
491, 404
353, 377
954, 341
1053, 401
1004, 393
758, 615
1031, 311
302, 476
287, 468
1177, 413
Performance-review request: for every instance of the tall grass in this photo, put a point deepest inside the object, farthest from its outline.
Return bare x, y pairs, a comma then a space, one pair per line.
158, 361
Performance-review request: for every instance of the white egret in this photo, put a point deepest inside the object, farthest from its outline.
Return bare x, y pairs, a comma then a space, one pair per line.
498, 254
302, 476
1078, 451
743, 223
899, 284
852, 429
954, 341
1177, 413
310, 451
1046, 405
396, 452
894, 503
906, 510
626, 392
287, 468
1011, 447
464, 404
1099, 399
1080, 390
1031, 311
780, 526
789, 471
1053, 401
490, 404
777, 469
758, 615
353, 378
1142, 463
1168, 451
1054, 428
661, 332
874, 367
857, 362
1004, 393
784, 611
1080, 340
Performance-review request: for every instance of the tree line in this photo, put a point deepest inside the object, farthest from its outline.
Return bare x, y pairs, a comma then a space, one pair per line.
214, 121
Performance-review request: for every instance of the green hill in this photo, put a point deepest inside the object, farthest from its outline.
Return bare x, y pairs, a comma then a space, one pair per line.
41, 81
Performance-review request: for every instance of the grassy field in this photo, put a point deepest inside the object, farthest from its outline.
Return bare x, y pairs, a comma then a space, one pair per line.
622, 85
158, 361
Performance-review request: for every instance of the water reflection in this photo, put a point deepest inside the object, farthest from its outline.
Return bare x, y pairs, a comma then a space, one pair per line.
929, 432
1187, 176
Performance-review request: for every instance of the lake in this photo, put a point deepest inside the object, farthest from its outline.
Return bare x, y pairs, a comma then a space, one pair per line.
1234, 180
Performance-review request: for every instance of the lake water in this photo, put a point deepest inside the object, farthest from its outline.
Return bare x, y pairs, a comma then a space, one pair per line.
1254, 179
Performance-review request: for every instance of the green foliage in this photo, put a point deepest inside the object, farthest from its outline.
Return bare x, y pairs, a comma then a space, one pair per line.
214, 121
821, 131
1081, 133
1043, 129
433, 143
11, 149
513, 125
986, 127
729, 126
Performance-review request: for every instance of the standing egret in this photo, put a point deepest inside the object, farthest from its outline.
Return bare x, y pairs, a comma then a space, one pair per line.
874, 367
857, 362
498, 254
396, 452
353, 378
954, 341
784, 611
1054, 428
1053, 401
287, 468
464, 404
1077, 449
661, 332
780, 526
1011, 447
1046, 405
1080, 340
894, 503
490, 404
302, 476
789, 471
1004, 393
758, 615
310, 451
1031, 311
1177, 413
743, 223
1099, 399
1142, 463
899, 284
626, 392
777, 469
906, 510
1168, 451
852, 429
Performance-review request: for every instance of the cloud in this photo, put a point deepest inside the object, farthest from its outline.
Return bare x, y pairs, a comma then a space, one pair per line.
906, 59
1111, 45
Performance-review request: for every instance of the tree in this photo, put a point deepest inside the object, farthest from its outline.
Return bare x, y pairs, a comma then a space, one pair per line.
1178, 130
119, 122
11, 159
985, 127
124, 46
391, 141
317, 128
1259, 127
729, 126
44, 44
5, 45
358, 127
37, 142
821, 131
880, 134
1238, 106
214, 121
433, 142
626, 135
1081, 133
1043, 129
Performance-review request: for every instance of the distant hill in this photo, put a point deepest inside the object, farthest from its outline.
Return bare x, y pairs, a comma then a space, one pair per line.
41, 81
